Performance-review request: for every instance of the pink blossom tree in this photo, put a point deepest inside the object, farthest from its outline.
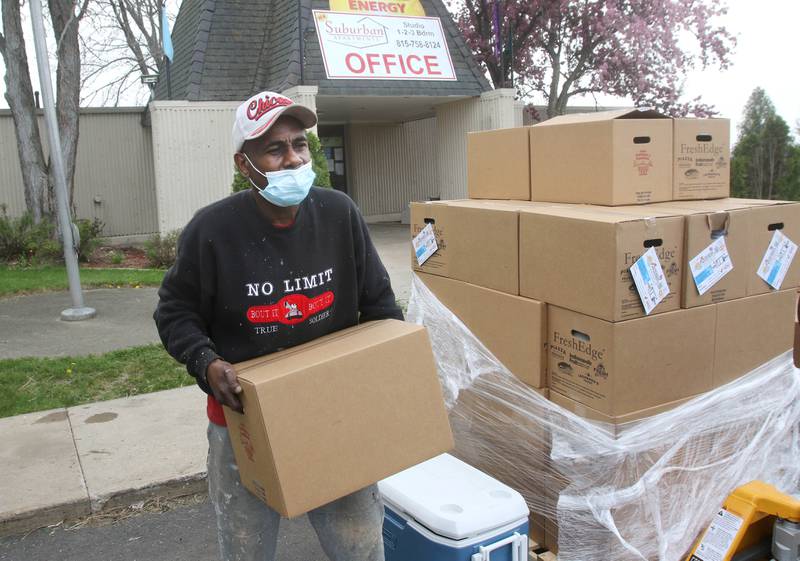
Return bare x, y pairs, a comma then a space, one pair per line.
637, 49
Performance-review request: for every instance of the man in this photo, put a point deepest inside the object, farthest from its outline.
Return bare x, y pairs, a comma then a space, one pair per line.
259, 271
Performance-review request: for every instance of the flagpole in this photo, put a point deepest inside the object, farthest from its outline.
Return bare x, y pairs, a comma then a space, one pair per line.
166, 39
169, 81
79, 311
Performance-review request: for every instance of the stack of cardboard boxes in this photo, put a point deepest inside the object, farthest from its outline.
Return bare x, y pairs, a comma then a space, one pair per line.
564, 219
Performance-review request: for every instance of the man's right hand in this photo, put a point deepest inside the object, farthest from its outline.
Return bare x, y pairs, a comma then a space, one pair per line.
221, 378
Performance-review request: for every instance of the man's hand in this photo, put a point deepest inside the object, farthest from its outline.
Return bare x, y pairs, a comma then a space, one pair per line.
221, 377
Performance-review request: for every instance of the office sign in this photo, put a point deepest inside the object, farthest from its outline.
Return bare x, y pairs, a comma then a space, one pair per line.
371, 47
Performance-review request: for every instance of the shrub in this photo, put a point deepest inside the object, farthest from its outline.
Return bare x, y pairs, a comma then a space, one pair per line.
23, 241
161, 251
90, 232
117, 257
240, 182
318, 162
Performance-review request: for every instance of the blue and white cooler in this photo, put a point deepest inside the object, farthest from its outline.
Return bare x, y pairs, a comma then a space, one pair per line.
446, 510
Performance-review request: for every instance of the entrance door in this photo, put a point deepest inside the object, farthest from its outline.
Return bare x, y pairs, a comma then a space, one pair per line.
332, 138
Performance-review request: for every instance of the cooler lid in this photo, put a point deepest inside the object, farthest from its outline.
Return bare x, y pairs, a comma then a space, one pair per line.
452, 498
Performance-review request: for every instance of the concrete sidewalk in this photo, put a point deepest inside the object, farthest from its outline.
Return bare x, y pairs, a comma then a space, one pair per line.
67, 463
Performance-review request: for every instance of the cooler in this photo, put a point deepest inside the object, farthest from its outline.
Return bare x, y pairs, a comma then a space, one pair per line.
446, 510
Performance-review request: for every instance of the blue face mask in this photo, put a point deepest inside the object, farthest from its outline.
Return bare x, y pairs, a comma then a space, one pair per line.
287, 187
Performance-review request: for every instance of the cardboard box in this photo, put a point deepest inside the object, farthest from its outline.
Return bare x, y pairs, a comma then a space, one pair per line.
536, 524
551, 535
498, 165
615, 422
607, 158
752, 331
704, 222
764, 220
702, 158
512, 328
327, 418
478, 242
500, 438
579, 257
619, 368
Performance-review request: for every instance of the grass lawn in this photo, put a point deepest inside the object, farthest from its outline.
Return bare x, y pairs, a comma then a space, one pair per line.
17, 280
36, 384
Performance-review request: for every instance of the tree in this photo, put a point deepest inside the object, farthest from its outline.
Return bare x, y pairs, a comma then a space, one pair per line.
482, 24
758, 109
765, 159
790, 189
38, 181
627, 48
125, 46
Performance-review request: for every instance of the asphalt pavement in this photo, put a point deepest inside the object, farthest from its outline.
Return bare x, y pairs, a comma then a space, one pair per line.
30, 325
183, 534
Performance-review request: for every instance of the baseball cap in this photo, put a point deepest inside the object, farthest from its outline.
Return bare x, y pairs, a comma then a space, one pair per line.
255, 116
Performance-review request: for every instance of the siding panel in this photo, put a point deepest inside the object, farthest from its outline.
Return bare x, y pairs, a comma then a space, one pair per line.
391, 165
114, 179
193, 157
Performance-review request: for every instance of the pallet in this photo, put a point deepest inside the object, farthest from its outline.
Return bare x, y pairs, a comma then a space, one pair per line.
539, 553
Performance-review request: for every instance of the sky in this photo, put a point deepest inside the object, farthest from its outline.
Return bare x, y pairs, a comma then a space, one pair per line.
765, 57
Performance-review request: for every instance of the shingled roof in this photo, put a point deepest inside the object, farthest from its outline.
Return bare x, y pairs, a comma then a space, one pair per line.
227, 49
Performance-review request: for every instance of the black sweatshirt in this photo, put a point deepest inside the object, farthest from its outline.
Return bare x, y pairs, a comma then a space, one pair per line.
242, 288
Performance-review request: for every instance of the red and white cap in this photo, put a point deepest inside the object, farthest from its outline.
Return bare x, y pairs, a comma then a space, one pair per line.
255, 116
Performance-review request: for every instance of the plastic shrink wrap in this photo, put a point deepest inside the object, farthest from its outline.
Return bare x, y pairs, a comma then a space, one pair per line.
643, 492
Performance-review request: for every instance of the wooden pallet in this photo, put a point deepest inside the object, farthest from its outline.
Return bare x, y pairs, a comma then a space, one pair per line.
539, 553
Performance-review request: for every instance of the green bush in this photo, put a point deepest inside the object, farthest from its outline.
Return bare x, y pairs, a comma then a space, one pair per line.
318, 162
240, 182
161, 251
90, 232
24, 242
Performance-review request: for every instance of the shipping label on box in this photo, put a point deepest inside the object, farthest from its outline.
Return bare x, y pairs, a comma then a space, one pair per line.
765, 221
478, 242
619, 368
706, 223
433, 215
702, 156
589, 268
648, 275
606, 158
710, 265
424, 244
670, 256
777, 260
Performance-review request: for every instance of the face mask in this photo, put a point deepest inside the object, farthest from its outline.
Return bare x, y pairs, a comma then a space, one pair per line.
287, 187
